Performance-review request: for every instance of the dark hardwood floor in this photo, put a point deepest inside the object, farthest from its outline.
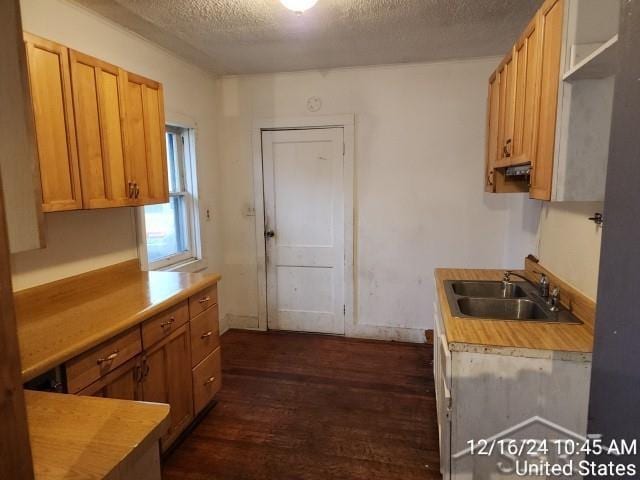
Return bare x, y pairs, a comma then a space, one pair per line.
300, 406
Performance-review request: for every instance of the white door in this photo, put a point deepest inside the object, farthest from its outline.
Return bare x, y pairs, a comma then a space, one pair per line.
304, 229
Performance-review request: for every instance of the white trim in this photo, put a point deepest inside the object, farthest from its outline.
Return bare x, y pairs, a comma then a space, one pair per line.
177, 119
347, 122
191, 265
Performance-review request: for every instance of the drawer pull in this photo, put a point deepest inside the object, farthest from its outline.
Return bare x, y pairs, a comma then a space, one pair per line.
210, 380
168, 322
109, 358
206, 335
204, 299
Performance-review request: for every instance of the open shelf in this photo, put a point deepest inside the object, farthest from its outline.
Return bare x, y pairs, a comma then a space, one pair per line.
600, 63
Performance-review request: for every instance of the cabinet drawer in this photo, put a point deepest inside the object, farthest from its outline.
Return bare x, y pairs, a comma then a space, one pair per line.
88, 367
202, 300
122, 383
163, 324
205, 335
207, 380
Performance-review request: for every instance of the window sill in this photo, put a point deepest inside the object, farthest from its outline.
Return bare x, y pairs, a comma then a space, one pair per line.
191, 265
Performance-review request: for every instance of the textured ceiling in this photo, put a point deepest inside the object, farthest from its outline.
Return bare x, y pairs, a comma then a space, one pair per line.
255, 36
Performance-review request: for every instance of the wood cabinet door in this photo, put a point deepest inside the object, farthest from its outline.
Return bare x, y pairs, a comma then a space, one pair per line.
549, 27
146, 145
123, 383
98, 99
167, 379
493, 109
506, 73
50, 83
527, 101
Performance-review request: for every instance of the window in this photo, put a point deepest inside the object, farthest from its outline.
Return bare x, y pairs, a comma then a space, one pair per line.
169, 230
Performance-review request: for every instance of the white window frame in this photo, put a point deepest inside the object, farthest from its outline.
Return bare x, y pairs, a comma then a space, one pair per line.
187, 169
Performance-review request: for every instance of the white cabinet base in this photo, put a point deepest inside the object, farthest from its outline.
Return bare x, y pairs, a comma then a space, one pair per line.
481, 394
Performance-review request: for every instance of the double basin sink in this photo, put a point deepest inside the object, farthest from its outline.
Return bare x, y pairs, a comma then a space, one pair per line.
515, 301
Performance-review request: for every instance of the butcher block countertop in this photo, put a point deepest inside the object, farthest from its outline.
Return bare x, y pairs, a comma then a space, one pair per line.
465, 333
60, 320
87, 437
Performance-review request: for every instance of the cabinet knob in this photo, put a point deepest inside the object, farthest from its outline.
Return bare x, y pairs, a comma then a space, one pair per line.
204, 299
210, 380
206, 335
168, 322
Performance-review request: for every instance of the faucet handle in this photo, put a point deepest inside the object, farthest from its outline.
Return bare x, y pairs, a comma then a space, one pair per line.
554, 298
543, 276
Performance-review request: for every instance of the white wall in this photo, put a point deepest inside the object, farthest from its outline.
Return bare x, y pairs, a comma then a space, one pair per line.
569, 243
419, 196
81, 241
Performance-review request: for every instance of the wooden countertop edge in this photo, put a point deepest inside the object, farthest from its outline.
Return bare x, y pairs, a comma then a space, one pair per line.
92, 341
157, 415
515, 351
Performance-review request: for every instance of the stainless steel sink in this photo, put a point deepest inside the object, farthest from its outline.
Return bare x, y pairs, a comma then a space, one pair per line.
503, 309
517, 301
487, 289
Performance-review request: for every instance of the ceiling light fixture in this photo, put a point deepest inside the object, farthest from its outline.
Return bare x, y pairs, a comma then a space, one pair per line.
298, 6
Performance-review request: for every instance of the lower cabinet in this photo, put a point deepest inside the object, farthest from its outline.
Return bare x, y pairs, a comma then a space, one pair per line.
172, 357
207, 380
122, 383
164, 380
502, 394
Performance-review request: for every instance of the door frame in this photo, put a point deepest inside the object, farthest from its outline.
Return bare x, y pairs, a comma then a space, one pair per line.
347, 123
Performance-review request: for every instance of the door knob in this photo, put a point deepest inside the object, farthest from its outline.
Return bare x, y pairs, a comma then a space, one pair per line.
269, 234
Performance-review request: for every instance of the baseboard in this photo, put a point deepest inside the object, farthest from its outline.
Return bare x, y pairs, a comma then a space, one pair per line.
244, 322
395, 334
372, 332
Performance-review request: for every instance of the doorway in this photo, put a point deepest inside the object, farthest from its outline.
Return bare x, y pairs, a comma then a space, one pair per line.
304, 228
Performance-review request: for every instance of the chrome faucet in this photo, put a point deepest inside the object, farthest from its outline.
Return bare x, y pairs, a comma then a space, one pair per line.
542, 285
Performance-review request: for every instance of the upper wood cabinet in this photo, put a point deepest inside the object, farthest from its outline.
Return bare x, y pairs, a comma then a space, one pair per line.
550, 45
100, 131
506, 109
493, 99
553, 109
527, 99
99, 103
145, 133
525, 123
50, 82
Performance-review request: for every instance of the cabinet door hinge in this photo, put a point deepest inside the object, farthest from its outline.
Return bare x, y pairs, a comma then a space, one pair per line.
344, 310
